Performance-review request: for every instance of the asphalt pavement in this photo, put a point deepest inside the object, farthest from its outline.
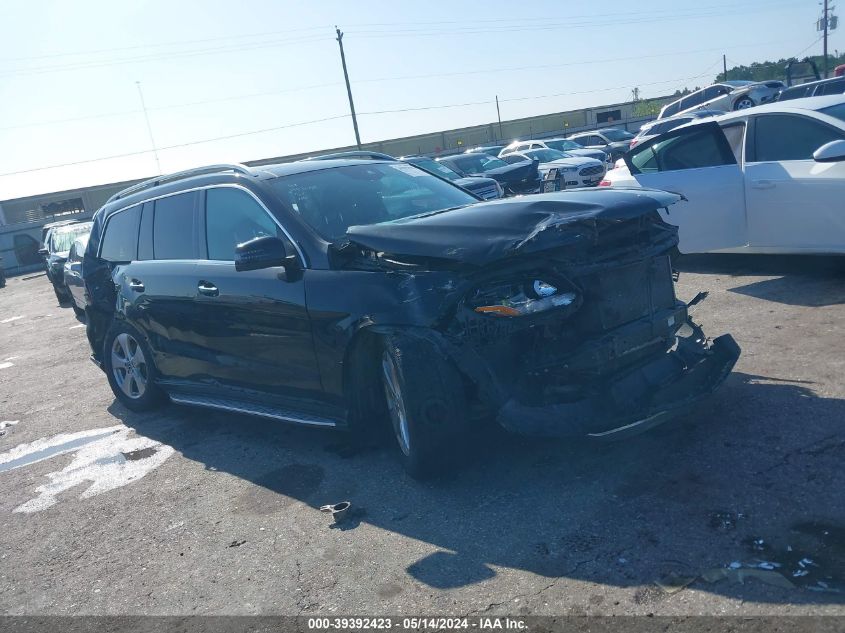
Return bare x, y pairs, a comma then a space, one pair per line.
736, 509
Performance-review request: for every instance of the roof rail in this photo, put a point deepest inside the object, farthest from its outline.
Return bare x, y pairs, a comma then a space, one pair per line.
179, 175
353, 154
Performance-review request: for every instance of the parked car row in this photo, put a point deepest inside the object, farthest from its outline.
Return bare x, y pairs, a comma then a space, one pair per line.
728, 96
59, 241
770, 179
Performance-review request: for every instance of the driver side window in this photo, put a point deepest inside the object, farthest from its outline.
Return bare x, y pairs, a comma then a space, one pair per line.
690, 149
233, 216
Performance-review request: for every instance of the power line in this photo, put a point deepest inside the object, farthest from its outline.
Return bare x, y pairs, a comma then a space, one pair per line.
376, 80
158, 45
332, 118
551, 26
162, 56
172, 106
692, 13
176, 146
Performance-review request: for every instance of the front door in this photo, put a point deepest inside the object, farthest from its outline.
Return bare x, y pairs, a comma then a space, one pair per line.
794, 203
697, 162
254, 324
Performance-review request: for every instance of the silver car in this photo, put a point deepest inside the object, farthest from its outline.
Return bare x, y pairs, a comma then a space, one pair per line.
727, 96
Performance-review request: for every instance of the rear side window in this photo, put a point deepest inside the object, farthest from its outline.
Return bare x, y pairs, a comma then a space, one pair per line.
233, 216
120, 240
174, 230
691, 149
832, 88
790, 137
693, 100
672, 109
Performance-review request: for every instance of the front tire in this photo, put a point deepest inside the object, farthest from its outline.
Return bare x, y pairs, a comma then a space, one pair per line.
743, 103
128, 362
62, 293
426, 403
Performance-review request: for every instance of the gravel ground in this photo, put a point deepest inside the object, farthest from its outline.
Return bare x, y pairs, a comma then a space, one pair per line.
185, 511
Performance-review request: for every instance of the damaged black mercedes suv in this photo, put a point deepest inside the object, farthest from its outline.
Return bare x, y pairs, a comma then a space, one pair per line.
343, 293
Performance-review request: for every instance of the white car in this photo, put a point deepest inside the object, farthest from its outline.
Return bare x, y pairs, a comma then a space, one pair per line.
767, 180
564, 145
575, 171
727, 96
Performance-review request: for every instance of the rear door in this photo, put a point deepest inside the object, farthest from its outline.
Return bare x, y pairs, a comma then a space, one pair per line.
698, 162
793, 201
158, 285
253, 324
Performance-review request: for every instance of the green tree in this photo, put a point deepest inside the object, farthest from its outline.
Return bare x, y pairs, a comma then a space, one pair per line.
768, 70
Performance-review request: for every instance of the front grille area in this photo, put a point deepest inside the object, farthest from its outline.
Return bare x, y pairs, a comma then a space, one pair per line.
591, 171
487, 193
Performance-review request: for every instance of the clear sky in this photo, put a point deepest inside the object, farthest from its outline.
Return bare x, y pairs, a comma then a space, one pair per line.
221, 68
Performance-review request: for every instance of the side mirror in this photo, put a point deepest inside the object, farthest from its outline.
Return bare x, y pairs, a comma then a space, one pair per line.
832, 152
262, 252
43, 252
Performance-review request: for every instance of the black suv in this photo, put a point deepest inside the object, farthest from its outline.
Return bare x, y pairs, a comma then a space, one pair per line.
343, 293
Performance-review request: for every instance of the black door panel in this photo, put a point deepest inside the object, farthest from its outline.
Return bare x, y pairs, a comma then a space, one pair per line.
255, 329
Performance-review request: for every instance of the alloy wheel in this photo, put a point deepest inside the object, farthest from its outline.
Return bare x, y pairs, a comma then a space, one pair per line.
129, 366
395, 403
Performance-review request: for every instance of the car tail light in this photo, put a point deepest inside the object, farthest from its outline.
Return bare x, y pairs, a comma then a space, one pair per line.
634, 143
605, 183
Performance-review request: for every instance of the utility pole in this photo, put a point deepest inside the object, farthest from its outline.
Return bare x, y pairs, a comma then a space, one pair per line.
149, 127
724, 67
825, 19
826, 24
348, 87
499, 114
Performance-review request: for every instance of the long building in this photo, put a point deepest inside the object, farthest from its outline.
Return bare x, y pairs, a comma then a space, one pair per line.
21, 219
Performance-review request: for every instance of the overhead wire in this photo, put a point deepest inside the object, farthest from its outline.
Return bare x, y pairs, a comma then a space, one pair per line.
322, 120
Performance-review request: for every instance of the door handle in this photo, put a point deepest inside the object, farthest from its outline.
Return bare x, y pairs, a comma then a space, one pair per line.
208, 289
762, 184
136, 285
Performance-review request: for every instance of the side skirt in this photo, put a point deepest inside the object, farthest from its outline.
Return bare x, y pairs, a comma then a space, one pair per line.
250, 408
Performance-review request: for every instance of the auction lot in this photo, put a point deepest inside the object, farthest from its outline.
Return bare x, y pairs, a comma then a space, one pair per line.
187, 511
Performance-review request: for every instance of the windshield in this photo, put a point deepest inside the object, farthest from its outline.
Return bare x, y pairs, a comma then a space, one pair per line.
478, 163
332, 200
545, 155
429, 164
837, 111
563, 145
63, 237
617, 135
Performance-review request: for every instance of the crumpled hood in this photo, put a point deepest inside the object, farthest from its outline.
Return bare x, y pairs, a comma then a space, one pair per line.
489, 231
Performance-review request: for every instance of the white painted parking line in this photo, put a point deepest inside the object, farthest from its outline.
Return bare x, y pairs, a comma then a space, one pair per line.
106, 458
73, 327
10, 319
6, 365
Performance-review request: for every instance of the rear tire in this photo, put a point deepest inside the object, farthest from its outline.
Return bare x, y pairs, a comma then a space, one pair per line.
128, 363
426, 404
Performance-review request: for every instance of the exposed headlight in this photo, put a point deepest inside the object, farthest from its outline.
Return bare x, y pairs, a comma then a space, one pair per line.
522, 299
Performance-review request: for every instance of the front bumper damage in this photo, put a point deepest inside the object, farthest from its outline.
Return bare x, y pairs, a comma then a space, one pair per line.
636, 400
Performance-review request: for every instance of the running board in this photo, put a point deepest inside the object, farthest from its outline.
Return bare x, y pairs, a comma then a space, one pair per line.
253, 409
